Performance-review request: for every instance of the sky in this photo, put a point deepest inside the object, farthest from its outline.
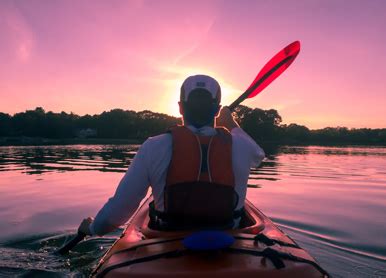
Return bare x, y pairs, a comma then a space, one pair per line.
91, 56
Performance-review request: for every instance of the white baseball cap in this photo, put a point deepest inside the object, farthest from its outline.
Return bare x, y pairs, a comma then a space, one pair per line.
200, 82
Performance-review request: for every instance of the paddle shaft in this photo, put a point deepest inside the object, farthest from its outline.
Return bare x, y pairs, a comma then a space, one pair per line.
78, 238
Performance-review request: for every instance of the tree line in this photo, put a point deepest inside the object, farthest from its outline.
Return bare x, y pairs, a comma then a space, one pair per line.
117, 124
264, 126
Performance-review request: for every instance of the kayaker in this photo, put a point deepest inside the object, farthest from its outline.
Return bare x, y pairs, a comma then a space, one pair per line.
198, 174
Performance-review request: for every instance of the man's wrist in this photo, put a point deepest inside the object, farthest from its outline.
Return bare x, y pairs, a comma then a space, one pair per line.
231, 126
91, 229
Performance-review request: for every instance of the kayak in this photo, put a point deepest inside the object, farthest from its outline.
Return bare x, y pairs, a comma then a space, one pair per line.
258, 249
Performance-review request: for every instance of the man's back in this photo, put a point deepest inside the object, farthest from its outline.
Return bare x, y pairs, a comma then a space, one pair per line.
150, 166
200, 98
245, 154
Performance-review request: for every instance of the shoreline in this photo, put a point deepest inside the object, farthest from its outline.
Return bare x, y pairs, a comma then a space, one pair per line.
38, 141
32, 141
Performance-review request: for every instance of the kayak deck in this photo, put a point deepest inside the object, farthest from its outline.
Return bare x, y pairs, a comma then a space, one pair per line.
260, 249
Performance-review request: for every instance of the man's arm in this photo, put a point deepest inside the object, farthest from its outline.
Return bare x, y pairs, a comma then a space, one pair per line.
245, 144
119, 208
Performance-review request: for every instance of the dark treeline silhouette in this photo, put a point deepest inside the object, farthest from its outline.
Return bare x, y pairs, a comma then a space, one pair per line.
265, 126
117, 124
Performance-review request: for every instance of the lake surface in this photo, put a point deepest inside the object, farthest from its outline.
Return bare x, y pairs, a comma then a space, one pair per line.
331, 200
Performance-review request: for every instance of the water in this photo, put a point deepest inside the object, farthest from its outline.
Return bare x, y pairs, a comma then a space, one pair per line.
331, 200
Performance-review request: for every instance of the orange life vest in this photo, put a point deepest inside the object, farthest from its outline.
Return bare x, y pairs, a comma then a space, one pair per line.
199, 190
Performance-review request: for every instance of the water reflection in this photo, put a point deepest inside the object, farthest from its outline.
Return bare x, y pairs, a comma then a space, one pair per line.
331, 200
107, 158
41, 159
346, 151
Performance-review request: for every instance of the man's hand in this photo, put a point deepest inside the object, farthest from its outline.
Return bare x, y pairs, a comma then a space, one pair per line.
85, 226
225, 119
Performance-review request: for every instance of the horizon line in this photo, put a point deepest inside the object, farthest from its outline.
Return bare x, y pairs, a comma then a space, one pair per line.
334, 127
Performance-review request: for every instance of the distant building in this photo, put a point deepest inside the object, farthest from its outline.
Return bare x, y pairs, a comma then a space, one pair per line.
86, 133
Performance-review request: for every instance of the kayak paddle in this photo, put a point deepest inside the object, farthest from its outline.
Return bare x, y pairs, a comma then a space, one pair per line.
276, 66
68, 246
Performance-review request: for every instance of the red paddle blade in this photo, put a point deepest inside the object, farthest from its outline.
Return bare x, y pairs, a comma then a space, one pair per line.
279, 63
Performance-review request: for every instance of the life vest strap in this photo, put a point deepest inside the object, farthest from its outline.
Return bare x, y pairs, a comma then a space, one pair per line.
160, 220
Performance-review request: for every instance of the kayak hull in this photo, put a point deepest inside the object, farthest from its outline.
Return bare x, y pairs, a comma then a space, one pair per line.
260, 249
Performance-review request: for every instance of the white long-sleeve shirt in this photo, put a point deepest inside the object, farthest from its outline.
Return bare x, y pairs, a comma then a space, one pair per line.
149, 168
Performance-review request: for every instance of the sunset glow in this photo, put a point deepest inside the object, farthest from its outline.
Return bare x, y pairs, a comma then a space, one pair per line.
88, 57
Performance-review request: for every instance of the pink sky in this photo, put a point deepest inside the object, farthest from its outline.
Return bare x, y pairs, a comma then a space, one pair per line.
91, 56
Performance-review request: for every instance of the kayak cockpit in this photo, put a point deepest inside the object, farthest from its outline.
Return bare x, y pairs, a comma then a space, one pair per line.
249, 224
258, 249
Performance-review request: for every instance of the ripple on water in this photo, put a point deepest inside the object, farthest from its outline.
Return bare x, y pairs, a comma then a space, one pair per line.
36, 256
